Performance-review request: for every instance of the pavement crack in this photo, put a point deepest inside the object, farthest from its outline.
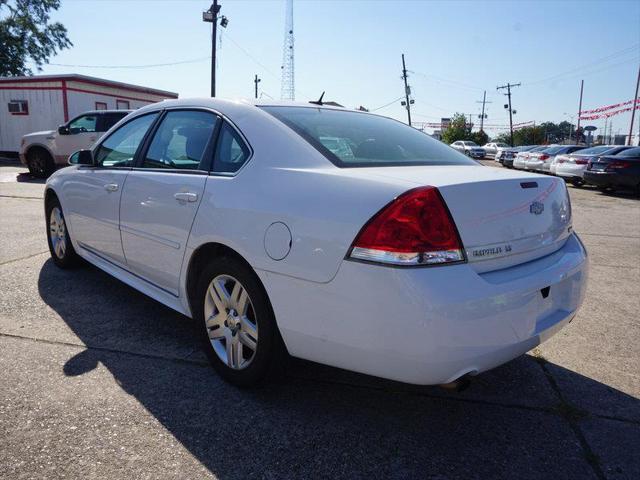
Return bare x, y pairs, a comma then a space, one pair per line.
107, 350
22, 197
573, 415
23, 258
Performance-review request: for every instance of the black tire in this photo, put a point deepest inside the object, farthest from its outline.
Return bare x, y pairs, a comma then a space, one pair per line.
577, 182
63, 256
39, 162
268, 360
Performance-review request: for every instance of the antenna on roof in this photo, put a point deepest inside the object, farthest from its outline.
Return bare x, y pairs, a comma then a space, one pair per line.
319, 101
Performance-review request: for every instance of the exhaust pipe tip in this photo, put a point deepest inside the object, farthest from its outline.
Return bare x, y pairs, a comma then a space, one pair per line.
458, 385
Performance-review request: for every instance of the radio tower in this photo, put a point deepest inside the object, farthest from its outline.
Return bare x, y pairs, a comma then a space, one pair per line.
287, 90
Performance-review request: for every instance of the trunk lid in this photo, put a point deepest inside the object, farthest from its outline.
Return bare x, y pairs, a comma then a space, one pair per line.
504, 218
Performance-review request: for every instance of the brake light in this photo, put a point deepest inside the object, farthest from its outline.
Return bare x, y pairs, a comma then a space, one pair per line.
617, 164
414, 229
581, 161
543, 157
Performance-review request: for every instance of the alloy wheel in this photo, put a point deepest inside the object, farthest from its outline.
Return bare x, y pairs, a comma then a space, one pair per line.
231, 322
58, 232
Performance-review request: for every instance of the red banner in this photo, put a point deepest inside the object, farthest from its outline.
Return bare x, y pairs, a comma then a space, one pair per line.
609, 107
610, 114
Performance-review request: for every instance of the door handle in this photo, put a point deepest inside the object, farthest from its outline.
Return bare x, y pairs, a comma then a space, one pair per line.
111, 187
185, 196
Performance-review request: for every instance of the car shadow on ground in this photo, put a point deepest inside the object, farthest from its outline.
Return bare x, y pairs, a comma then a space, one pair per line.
321, 422
26, 177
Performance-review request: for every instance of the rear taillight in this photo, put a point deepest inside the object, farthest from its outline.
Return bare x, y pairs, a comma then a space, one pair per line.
414, 229
581, 161
543, 157
617, 165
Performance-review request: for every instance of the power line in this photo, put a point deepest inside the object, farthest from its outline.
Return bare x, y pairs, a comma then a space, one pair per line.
152, 65
386, 104
605, 59
439, 79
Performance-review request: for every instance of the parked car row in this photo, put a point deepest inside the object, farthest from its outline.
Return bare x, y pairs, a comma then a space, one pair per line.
605, 166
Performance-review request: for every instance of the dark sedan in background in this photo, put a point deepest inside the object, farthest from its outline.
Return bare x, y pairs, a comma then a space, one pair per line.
611, 172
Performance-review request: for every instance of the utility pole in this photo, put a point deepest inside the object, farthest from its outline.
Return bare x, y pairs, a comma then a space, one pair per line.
407, 90
211, 16
256, 81
579, 110
482, 117
633, 112
508, 94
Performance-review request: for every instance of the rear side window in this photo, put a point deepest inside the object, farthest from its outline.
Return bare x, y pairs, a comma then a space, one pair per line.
181, 140
119, 149
108, 120
353, 139
231, 151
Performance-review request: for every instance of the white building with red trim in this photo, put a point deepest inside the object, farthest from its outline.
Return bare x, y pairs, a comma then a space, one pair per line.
43, 102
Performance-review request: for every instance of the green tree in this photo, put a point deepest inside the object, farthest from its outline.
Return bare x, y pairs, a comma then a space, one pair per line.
480, 137
457, 129
26, 34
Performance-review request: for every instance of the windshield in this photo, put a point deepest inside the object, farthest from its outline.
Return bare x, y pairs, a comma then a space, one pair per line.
352, 139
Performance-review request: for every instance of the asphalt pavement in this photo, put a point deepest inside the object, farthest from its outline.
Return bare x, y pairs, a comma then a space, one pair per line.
99, 381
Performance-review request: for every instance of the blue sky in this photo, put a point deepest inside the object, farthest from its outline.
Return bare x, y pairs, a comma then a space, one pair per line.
351, 49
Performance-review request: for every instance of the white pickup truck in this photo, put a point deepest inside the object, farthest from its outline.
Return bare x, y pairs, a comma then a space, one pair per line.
41, 152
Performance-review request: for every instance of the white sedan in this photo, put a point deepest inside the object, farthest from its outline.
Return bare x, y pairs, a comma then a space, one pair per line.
341, 237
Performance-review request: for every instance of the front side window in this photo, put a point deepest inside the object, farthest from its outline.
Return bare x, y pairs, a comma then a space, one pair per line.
353, 139
119, 149
181, 140
83, 124
231, 151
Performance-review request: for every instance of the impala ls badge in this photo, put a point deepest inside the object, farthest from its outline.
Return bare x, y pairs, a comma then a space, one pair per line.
536, 208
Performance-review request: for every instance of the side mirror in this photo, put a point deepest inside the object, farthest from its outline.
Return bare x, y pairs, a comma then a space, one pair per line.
81, 157
63, 130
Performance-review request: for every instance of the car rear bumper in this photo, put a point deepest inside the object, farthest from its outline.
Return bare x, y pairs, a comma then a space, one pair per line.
428, 325
570, 170
610, 179
534, 165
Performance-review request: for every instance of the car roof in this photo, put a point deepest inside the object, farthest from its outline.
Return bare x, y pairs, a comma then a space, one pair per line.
221, 103
102, 112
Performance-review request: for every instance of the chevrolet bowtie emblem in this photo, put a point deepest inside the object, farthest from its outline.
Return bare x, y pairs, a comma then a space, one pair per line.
536, 208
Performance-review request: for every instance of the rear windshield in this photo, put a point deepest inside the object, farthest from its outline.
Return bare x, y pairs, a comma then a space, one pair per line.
553, 150
631, 152
592, 150
352, 139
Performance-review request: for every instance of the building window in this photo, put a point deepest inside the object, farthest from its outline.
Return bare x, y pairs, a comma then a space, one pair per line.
19, 107
122, 104
101, 106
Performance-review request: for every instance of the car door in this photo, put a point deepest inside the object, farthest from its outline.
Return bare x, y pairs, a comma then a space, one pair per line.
162, 194
93, 193
82, 133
